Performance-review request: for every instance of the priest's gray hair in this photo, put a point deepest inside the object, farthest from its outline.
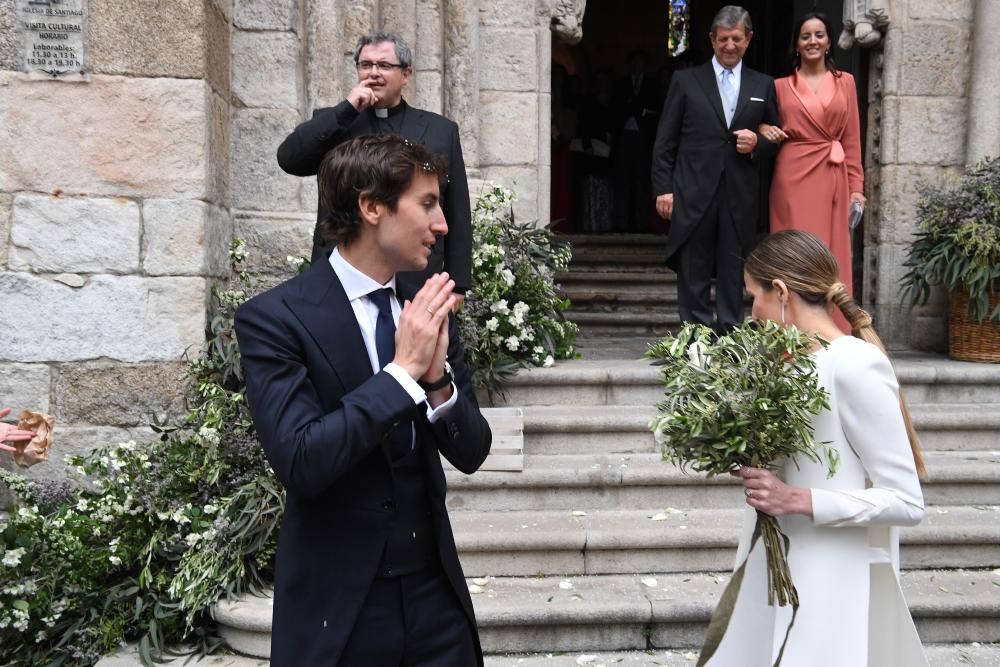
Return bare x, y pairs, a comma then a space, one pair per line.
730, 17
403, 52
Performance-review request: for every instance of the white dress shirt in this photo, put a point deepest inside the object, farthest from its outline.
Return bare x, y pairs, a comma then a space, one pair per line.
737, 78
358, 286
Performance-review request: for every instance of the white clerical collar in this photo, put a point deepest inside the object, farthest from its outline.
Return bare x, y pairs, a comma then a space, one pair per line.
356, 284
381, 113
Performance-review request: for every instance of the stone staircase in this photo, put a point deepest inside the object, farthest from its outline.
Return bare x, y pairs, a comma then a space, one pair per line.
600, 553
619, 286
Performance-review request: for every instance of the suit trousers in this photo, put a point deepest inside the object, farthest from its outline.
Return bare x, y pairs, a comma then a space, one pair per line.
713, 245
414, 620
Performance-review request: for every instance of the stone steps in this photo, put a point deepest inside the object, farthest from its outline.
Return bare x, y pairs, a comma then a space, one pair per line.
636, 611
938, 655
581, 429
641, 481
565, 543
924, 378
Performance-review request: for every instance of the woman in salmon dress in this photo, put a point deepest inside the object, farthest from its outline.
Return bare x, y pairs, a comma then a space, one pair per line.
818, 173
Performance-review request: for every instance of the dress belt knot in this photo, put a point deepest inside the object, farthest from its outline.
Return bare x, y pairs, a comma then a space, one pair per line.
836, 152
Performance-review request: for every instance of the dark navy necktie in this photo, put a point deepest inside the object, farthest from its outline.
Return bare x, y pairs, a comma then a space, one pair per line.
385, 327
401, 437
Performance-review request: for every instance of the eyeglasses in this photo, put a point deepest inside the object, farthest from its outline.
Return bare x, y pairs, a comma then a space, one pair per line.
382, 66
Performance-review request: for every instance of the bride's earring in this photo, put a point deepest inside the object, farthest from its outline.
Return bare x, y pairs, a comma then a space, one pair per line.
782, 311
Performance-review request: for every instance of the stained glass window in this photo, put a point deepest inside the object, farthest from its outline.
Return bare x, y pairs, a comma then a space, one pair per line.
677, 39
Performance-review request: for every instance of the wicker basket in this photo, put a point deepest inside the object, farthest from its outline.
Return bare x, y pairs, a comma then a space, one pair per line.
969, 340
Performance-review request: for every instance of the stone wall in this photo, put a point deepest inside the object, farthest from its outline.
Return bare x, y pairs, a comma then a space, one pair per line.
918, 135
114, 218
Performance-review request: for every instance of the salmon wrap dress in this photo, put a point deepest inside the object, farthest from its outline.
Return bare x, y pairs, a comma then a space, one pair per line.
819, 165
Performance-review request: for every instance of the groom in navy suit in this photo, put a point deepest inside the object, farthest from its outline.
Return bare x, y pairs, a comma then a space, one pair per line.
355, 389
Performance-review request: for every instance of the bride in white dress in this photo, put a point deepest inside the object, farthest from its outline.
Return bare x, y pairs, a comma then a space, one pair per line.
844, 546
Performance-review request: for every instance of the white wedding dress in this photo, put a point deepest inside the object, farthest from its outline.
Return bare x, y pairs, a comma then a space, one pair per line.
845, 560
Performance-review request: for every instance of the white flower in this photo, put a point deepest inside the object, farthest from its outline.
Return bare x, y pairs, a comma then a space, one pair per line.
192, 539
210, 509
296, 262
513, 343
13, 557
492, 324
82, 505
508, 277
548, 361
500, 307
115, 560
208, 435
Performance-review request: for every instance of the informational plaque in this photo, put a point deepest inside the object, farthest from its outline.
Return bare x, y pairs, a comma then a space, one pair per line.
53, 40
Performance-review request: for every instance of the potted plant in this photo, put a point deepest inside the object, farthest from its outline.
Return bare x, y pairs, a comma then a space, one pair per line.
957, 246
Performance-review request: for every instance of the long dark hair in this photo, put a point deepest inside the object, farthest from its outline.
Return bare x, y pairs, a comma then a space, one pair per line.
793, 51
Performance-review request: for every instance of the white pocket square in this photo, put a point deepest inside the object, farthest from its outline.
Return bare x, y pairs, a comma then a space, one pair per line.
756, 99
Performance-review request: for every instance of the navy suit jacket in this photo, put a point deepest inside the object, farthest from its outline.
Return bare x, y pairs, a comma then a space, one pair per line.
322, 417
303, 150
695, 150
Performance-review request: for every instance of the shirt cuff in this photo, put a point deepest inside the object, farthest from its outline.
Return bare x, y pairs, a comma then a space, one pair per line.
406, 382
433, 415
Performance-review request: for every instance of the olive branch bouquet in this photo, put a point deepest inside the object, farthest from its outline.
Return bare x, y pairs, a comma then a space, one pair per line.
743, 399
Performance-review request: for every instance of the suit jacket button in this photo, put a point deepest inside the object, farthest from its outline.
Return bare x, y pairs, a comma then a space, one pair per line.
388, 505
387, 572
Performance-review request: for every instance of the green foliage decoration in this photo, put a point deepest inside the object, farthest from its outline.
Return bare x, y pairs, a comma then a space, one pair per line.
957, 243
513, 316
154, 534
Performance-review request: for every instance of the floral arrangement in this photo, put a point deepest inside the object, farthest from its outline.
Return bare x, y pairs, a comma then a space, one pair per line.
154, 534
513, 316
743, 399
957, 244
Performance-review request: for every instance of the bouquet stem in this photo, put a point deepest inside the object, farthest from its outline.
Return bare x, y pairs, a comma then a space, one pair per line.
780, 588
779, 577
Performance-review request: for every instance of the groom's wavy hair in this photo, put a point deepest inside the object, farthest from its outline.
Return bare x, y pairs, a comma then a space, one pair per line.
374, 167
807, 267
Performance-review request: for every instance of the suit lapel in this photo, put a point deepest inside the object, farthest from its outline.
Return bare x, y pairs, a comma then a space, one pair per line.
325, 312
414, 124
705, 76
746, 84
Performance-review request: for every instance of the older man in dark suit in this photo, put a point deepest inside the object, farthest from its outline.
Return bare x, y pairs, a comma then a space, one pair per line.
376, 106
706, 171
356, 389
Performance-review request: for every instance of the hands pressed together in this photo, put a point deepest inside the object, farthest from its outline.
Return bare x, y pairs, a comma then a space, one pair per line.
422, 334
765, 492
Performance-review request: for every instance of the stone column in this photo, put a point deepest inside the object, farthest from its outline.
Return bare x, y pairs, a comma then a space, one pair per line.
429, 54
461, 73
276, 81
925, 84
984, 92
